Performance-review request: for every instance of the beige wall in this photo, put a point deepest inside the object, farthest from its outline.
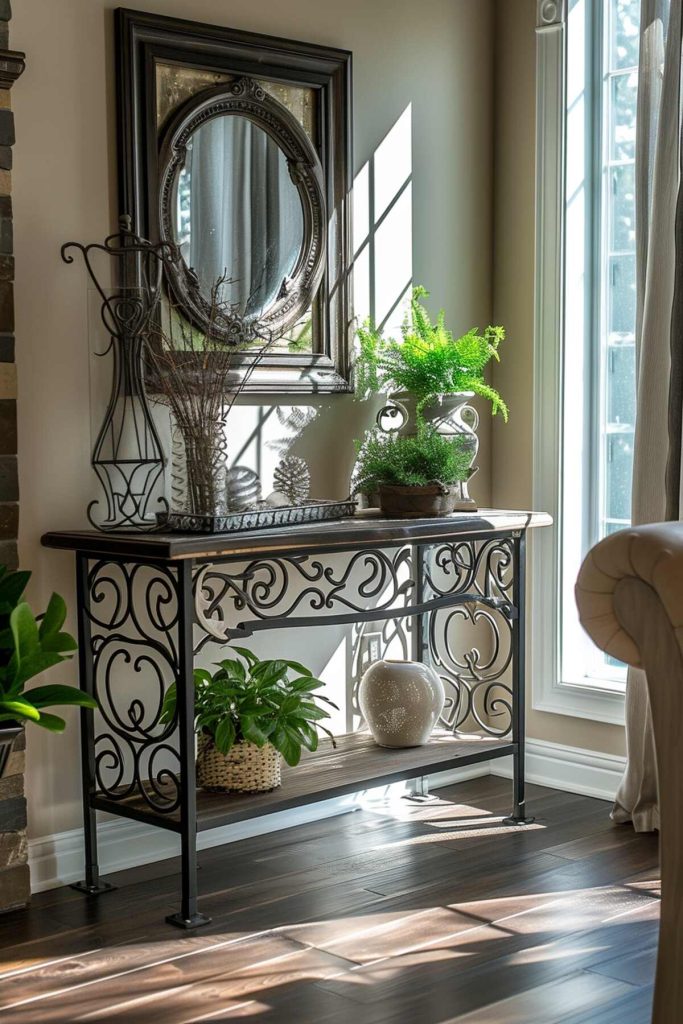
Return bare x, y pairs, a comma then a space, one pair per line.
435, 55
513, 283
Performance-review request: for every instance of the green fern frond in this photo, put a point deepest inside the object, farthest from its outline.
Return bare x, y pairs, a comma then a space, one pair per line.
410, 461
427, 360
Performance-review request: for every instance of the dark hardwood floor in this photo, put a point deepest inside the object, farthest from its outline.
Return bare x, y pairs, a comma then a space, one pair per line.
426, 914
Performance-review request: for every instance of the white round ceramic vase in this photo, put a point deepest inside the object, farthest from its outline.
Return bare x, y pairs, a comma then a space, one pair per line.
401, 702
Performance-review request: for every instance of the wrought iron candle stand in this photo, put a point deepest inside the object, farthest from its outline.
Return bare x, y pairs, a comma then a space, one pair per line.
127, 456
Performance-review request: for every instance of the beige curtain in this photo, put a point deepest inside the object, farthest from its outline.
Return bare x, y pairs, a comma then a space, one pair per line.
659, 344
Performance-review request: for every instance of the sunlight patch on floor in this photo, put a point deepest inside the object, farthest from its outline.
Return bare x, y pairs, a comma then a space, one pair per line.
463, 832
571, 910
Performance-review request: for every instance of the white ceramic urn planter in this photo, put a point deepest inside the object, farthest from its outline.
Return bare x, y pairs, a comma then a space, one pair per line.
401, 701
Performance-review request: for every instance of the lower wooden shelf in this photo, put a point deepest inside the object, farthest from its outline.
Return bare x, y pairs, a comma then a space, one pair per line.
357, 763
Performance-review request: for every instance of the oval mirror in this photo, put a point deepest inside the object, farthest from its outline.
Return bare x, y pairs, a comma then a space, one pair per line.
241, 197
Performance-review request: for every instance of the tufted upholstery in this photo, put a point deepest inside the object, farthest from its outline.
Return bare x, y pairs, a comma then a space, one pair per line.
653, 554
630, 599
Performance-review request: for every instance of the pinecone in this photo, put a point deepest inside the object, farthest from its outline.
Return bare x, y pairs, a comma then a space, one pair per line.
293, 479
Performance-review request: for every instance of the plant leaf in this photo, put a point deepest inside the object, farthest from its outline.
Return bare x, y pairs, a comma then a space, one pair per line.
54, 617
248, 655
55, 694
252, 732
21, 708
288, 747
24, 630
12, 586
233, 668
51, 722
224, 736
301, 669
32, 665
59, 642
169, 704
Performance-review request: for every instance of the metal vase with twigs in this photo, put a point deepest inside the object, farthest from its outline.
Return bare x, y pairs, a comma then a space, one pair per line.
197, 376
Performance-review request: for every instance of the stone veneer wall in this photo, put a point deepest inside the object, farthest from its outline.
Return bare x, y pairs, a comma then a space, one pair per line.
9, 485
15, 883
15, 886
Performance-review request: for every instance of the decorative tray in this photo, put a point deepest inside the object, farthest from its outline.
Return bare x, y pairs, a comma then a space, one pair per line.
262, 517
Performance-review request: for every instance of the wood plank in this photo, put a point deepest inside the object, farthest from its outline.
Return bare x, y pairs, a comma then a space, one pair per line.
362, 531
549, 1004
171, 988
495, 927
357, 763
634, 1007
477, 971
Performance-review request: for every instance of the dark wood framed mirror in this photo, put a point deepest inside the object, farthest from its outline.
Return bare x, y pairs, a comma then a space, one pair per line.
226, 107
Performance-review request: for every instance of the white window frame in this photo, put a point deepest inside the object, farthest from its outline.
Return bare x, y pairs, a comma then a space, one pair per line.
598, 702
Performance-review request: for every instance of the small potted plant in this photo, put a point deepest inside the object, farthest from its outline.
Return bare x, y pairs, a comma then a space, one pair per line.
248, 714
413, 476
29, 646
428, 372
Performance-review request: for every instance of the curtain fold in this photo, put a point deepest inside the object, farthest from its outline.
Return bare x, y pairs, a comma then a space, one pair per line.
246, 215
659, 348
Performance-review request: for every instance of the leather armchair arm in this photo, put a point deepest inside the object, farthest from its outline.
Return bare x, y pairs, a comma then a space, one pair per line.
630, 598
652, 554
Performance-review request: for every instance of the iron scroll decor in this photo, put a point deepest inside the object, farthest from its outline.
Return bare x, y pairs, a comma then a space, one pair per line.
464, 601
127, 454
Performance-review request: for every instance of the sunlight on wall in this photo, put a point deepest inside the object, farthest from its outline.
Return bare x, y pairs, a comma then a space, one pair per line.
382, 228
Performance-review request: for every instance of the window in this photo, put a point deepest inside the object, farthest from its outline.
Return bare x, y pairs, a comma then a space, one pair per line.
586, 309
600, 304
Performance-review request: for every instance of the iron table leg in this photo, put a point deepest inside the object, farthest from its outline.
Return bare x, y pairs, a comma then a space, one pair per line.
519, 815
419, 789
91, 885
189, 916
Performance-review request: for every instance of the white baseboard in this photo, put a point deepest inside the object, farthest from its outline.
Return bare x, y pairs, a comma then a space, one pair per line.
58, 859
572, 769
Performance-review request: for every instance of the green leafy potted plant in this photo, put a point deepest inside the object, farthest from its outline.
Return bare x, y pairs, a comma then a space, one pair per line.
29, 646
413, 476
431, 376
248, 714
428, 363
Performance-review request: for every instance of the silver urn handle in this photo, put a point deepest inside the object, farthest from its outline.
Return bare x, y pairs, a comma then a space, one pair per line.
470, 417
392, 411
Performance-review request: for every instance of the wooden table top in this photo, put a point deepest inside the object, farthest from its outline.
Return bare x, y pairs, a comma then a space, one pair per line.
365, 529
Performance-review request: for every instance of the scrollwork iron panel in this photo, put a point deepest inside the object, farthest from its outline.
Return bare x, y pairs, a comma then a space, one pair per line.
470, 644
133, 614
462, 604
301, 590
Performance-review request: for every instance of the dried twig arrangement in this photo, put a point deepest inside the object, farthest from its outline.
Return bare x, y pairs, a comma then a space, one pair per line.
195, 374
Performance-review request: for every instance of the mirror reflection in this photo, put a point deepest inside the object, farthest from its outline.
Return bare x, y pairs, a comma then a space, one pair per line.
237, 213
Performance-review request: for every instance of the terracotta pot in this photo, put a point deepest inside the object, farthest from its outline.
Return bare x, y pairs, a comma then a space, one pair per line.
401, 701
415, 502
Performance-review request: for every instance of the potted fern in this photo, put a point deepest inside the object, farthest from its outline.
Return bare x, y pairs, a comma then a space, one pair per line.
428, 367
412, 476
429, 374
249, 714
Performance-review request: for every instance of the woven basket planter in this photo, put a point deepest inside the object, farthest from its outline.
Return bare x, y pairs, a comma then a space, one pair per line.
245, 769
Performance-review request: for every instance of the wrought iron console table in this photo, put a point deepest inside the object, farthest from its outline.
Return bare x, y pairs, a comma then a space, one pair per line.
149, 603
